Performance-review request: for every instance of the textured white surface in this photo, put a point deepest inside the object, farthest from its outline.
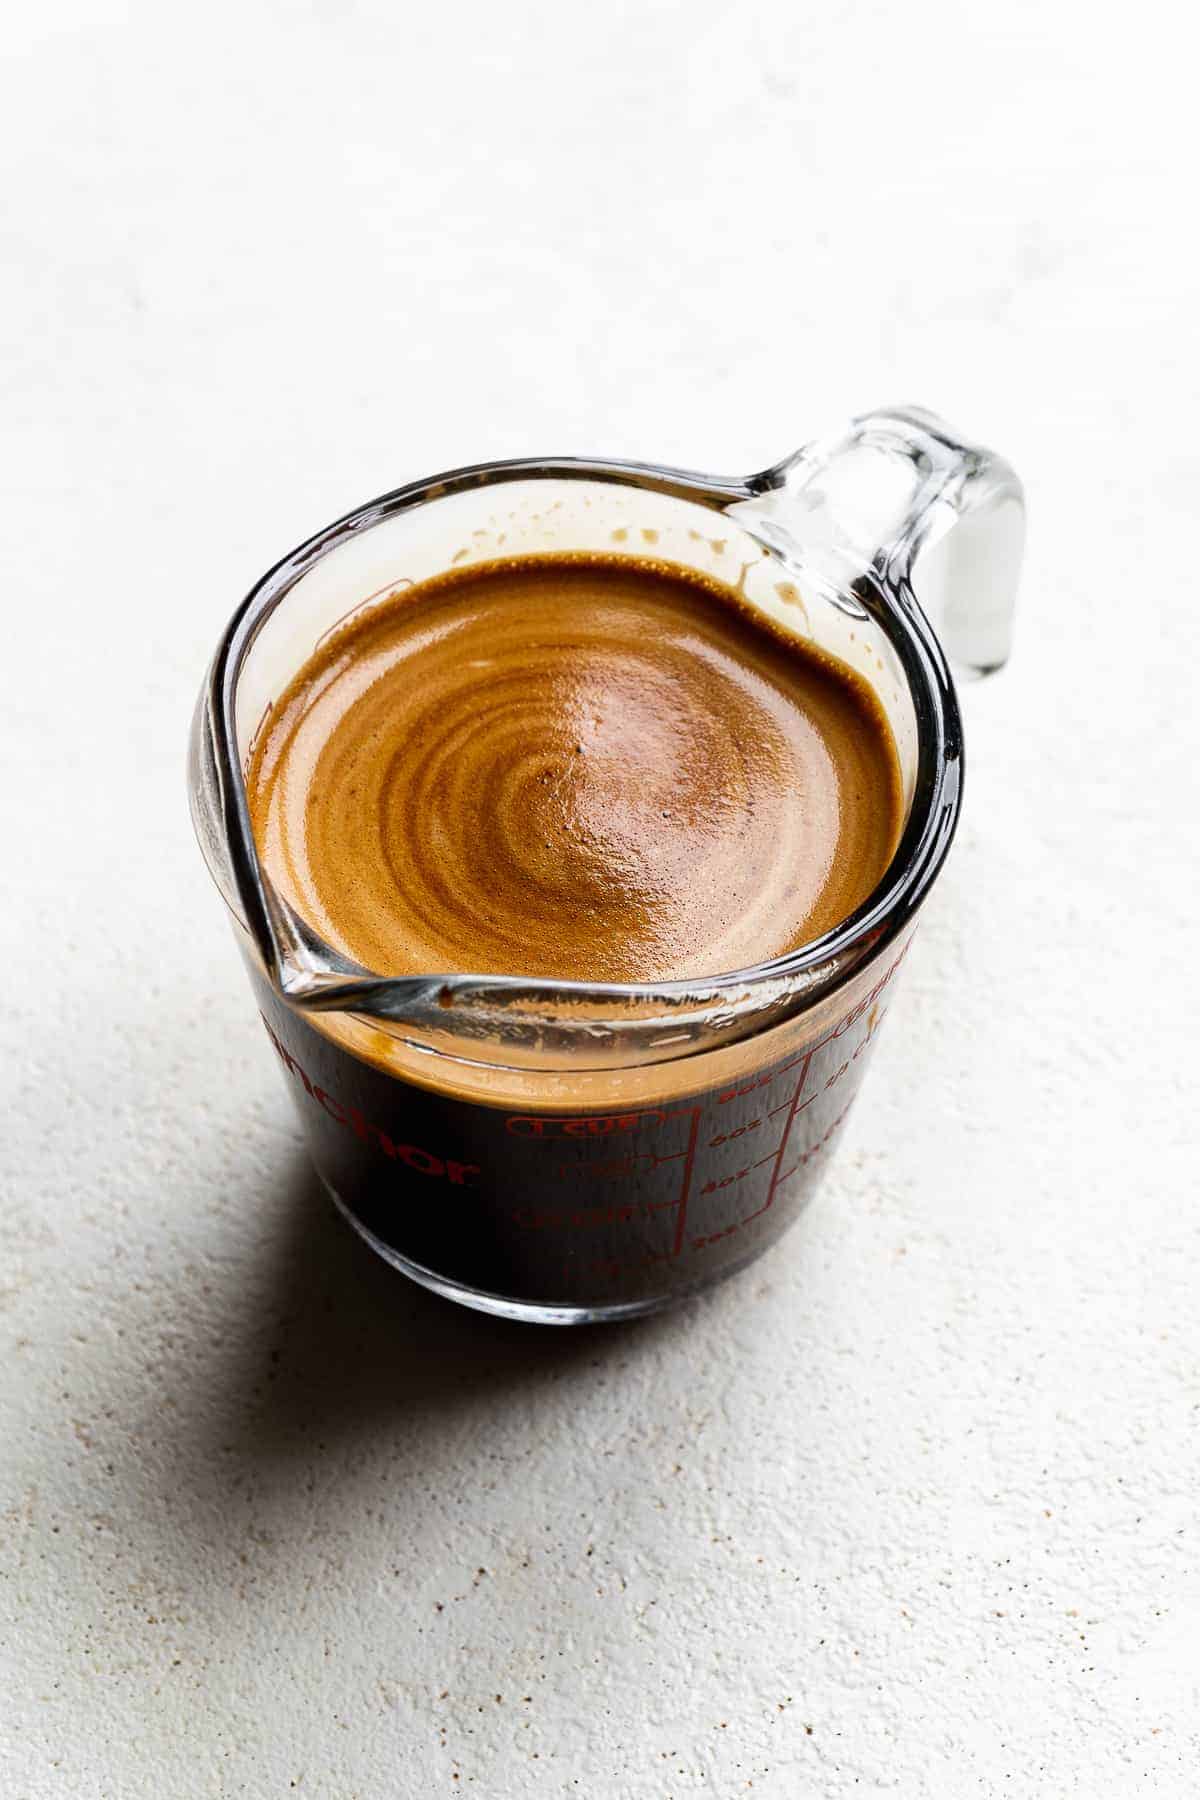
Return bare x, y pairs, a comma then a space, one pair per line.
911, 1507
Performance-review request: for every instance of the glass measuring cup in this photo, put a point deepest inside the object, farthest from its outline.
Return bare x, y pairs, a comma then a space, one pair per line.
568, 1151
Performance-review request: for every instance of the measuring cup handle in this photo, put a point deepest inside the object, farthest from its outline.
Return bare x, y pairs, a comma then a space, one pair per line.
902, 493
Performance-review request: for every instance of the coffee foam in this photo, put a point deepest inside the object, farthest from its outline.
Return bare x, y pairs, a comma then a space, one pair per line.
573, 767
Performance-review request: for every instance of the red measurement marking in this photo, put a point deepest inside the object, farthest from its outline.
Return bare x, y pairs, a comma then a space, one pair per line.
585, 1219
352, 1118
803, 1056
685, 1190
815, 1149
608, 1265
864, 1005
784, 1105
727, 1137
624, 1168
793, 1109
762, 1081
714, 1187
776, 1156
595, 1125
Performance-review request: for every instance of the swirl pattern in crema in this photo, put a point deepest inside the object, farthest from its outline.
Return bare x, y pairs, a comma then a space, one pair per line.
572, 767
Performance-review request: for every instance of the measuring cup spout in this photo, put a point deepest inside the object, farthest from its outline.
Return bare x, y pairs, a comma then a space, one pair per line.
901, 495
893, 521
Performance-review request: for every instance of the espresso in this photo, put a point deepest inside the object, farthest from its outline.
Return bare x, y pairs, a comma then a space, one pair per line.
572, 767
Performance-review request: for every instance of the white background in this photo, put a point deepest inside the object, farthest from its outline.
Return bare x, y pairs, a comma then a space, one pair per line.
910, 1507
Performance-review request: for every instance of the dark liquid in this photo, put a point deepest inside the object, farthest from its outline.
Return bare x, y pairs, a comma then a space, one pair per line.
621, 1206
588, 768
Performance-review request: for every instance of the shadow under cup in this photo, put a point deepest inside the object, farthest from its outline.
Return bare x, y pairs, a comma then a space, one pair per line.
563, 1151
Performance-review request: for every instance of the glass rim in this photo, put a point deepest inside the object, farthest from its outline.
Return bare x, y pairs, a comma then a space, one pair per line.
655, 1020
